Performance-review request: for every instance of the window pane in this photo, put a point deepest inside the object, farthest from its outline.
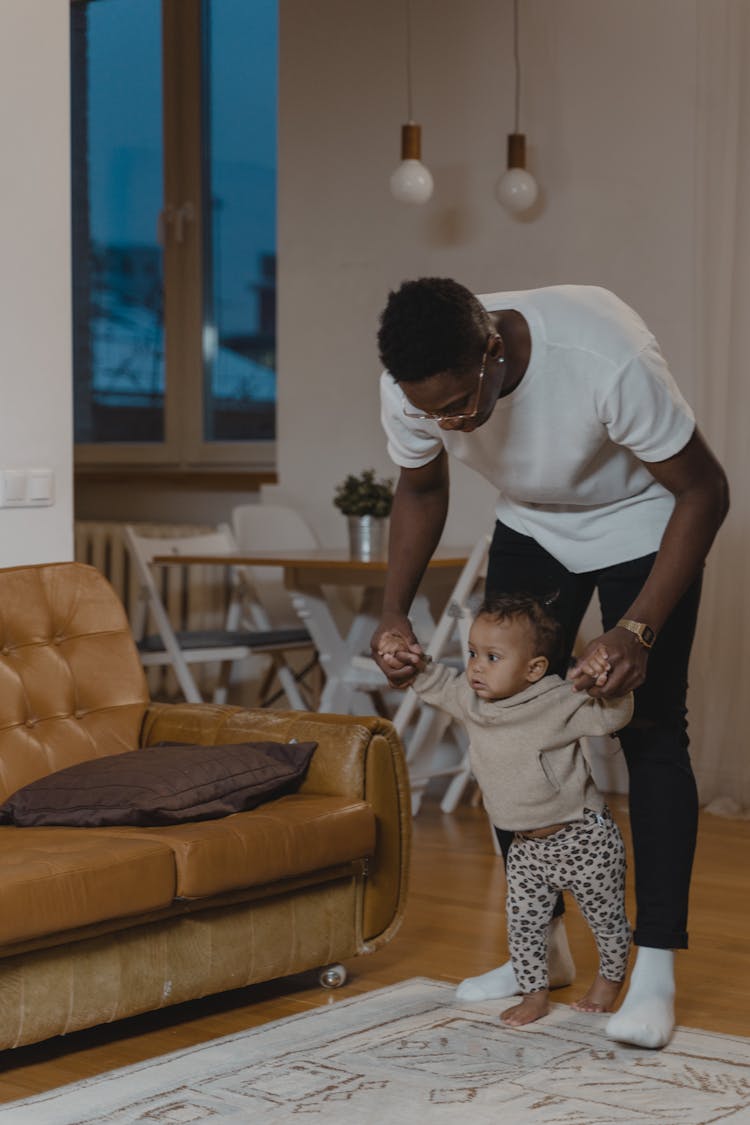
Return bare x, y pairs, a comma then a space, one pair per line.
240, 221
117, 196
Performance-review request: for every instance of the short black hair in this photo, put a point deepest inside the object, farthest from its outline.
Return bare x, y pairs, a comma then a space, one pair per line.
546, 631
431, 325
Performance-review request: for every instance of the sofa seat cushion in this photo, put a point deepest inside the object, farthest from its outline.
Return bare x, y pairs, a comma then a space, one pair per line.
292, 836
57, 879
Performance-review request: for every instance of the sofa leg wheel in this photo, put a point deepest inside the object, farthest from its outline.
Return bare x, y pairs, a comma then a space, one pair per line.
333, 976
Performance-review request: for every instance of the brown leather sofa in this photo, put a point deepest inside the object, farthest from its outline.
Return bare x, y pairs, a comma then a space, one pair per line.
97, 924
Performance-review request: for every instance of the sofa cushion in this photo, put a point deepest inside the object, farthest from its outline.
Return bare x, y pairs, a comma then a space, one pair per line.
167, 784
56, 879
293, 836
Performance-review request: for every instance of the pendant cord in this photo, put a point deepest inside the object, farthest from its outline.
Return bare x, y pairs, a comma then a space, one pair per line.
409, 107
517, 63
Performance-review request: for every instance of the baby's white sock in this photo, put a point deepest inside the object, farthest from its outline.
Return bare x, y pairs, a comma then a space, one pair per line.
646, 1016
501, 982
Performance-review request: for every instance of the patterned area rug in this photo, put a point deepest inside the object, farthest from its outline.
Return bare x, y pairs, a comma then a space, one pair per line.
409, 1054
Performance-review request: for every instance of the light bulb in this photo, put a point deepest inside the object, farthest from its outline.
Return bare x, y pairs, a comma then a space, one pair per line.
517, 189
411, 182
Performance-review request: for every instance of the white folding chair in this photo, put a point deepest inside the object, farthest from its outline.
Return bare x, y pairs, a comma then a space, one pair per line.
226, 641
265, 602
425, 744
274, 526
270, 527
352, 686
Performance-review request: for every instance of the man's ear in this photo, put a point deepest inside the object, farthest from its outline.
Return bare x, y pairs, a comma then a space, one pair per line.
495, 346
537, 667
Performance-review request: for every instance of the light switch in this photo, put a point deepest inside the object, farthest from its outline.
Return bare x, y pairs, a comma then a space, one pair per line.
14, 486
26, 488
40, 488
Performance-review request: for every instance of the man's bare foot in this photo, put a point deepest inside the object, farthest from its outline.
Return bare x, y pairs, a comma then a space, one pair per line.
600, 997
533, 1006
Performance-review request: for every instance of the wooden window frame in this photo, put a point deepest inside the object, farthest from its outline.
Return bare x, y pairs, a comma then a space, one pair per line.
184, 449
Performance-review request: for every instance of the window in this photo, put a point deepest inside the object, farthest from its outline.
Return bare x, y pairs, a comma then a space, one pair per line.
174, 231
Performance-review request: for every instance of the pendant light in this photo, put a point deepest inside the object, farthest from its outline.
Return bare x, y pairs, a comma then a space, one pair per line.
411, 182
517, 189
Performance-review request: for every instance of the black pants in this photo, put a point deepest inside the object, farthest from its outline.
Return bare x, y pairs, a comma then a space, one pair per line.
663, 795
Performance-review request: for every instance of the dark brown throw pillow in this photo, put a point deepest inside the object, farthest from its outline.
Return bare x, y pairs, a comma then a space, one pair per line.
166, 784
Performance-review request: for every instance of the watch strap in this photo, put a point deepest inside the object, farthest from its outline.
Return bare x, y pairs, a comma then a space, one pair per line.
644, 633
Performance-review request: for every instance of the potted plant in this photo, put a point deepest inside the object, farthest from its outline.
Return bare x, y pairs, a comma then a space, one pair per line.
367, 503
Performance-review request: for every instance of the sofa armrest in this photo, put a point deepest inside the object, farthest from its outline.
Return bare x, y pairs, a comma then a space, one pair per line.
359, 757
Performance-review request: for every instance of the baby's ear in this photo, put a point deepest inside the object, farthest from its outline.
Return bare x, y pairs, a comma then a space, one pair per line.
537, 667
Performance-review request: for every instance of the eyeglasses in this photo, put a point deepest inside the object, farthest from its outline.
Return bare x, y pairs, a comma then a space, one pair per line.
428, 416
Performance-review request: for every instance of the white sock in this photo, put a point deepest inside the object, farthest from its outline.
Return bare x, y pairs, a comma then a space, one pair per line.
490, 986
501, 982
646, 1016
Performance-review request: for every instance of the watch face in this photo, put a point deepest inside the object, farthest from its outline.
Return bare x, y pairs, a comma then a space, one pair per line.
648, 635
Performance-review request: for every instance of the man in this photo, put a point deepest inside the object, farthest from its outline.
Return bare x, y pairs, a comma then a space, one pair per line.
562, 399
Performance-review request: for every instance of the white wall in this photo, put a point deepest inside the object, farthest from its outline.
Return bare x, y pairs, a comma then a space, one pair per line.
608, 106
609, 110
619, 135
35, 378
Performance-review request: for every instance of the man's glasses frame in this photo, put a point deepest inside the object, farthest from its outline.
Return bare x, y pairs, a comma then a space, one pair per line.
427, 416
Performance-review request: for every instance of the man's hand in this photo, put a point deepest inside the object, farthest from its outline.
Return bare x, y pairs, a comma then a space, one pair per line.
399, 663
627, 660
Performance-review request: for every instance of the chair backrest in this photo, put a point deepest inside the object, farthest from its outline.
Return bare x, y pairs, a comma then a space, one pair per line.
204, 603
71, 682
168, 606
462, 604
270, 527
232, 627
454, 622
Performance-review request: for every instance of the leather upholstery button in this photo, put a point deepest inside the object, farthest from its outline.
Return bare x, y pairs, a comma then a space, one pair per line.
29, 722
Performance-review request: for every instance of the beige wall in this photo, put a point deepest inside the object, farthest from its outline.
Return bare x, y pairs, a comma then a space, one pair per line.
609, 110
35, 377
608, 105
620, 105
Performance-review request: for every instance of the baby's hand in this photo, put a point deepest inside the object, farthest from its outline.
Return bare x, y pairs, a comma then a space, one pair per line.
596, 665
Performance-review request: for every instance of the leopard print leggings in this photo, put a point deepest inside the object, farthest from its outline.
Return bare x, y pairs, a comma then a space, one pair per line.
586, 857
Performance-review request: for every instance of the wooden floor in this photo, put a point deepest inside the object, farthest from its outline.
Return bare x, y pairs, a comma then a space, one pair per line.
454, 927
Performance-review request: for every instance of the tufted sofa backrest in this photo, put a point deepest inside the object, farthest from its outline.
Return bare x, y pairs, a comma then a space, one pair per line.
71, 683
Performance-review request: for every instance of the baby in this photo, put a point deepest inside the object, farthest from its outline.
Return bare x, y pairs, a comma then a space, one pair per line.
525, 729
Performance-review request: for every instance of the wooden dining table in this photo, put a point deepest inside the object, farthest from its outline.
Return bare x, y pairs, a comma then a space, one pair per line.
328, 566
350, 675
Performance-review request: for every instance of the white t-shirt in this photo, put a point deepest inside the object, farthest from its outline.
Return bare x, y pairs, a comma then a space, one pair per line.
565, 447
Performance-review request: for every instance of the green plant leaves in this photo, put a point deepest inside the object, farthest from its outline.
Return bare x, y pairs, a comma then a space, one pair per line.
364, 495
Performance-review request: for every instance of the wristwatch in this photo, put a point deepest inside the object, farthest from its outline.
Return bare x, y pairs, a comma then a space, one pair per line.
644, 633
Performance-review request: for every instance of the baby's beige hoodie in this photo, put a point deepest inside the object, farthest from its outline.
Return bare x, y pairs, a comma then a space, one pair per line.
525, 751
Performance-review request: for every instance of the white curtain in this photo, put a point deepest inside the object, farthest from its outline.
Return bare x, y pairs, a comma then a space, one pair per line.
720, 670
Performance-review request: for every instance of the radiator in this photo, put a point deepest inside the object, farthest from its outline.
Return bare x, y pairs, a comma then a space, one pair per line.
195, 597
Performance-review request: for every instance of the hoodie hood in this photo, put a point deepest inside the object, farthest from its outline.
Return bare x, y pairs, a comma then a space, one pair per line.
543, 687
